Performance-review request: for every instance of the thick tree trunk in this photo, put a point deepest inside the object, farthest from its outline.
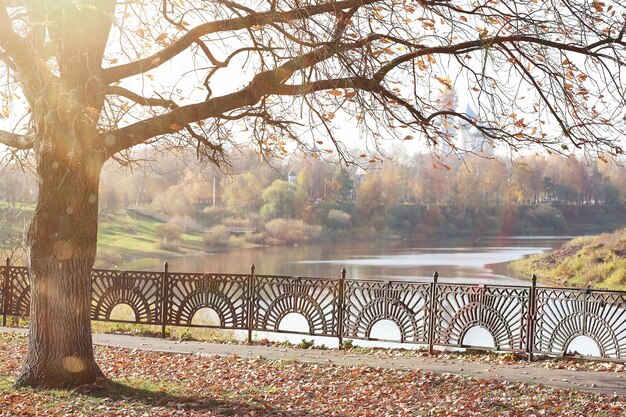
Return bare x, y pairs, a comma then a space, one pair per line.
62, 244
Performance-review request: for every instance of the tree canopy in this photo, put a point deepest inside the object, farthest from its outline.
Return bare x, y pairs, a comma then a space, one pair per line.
537, 72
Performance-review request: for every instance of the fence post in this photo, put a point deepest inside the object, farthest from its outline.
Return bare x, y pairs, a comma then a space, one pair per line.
433, 308
251, 282
5, 290
165, 296
341, 311
587, 291
530, 323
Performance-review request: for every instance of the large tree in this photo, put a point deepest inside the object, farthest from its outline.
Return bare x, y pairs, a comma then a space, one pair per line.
88, 80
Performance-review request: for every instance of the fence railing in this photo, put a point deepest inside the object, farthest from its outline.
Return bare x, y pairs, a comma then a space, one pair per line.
523, 319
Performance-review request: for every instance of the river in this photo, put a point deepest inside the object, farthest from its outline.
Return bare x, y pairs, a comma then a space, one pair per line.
465, 260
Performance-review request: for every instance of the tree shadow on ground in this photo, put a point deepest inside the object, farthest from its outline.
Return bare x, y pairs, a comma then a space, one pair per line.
172, 402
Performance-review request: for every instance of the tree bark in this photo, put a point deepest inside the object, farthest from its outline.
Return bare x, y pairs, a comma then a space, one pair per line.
62, 243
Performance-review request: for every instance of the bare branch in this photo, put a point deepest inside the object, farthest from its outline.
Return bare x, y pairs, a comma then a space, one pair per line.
265, 83
144, 101
469, 46
271, 82
119, 72
16, 141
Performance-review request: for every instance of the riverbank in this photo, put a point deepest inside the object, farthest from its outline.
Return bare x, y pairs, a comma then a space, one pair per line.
139, 236
598, 261
124, 236
127, 236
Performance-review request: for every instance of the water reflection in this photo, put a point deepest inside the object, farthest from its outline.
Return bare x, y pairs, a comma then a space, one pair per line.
483, 260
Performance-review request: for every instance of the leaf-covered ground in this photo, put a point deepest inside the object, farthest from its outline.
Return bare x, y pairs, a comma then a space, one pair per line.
512, 359
157, 384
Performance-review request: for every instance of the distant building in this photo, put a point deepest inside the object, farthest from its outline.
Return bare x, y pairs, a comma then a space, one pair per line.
292, 177
470, 137
463, 137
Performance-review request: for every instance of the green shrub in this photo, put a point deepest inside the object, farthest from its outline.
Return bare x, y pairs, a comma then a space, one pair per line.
213, 215
185, 336
290, 231
338, 219
169, 237
255, 238
186, 223
236, 241
347, 344
169, 232
306, 344
217, 236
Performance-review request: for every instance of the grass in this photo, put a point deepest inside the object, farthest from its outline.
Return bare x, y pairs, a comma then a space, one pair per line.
121, 236
137, 237
171, 332
598, 261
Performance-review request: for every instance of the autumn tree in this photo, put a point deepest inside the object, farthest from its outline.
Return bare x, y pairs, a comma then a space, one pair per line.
379, 190
433, 182
344, 185
87, 81
282, 200
243, 193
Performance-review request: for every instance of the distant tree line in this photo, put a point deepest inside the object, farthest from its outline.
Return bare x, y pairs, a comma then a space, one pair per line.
405, 194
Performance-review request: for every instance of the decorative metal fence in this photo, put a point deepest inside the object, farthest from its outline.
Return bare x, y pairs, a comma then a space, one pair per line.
523, 319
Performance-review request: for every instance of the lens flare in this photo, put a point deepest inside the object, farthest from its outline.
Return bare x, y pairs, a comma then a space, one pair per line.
72, 364
63, 250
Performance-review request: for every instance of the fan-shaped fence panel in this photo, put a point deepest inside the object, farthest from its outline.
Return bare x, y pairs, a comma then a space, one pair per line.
502, 311
564, 314
317, 299
142, 291
369, 302
17, 296
225, 294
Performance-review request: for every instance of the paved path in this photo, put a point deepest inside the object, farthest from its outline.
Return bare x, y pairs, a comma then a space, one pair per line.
598, 382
